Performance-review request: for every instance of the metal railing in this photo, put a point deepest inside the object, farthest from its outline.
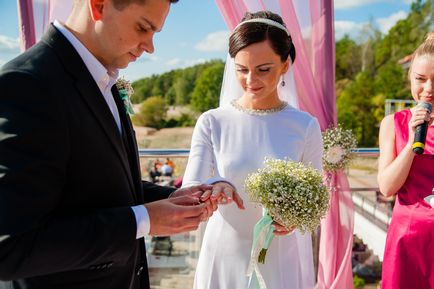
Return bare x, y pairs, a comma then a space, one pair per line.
376, 213
366, 152
370, 209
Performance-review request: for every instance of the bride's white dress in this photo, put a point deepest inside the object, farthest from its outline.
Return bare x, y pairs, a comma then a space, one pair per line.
230, 143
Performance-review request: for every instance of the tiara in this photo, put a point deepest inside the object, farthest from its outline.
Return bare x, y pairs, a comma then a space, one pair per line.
266, 21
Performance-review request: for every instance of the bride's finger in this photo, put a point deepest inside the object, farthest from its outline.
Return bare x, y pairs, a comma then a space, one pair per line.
280, 230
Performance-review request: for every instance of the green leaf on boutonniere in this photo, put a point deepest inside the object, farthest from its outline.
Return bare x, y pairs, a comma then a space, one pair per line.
125, 91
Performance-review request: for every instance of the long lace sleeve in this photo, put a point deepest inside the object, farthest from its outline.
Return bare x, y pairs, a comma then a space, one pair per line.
313, 149
201, 164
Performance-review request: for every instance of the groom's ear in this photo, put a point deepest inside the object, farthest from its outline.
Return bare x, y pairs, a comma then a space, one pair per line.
96, 8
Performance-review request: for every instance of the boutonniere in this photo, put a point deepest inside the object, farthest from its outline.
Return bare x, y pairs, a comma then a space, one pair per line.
125, 91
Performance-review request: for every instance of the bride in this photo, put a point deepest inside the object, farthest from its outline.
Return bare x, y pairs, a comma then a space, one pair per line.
232, 141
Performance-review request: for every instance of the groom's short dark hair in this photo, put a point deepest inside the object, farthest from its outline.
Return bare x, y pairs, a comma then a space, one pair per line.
121, 4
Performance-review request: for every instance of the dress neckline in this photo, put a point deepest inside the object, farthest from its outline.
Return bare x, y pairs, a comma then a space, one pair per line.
250, 111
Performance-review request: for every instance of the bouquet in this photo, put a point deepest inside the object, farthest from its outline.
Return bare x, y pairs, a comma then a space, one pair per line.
338, 143
291, 194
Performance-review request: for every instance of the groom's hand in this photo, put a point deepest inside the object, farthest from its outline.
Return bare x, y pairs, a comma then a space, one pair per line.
175, 215
198, 192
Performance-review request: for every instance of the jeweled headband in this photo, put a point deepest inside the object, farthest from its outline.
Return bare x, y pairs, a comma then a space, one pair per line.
266, 21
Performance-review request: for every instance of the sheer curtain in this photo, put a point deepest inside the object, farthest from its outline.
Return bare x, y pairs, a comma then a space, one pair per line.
35, 16
311, 25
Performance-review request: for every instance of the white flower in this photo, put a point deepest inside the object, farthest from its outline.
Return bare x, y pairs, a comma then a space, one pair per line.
334, 154
293, 194
338, 143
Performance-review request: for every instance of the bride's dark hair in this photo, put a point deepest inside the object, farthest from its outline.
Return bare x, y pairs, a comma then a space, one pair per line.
253, 32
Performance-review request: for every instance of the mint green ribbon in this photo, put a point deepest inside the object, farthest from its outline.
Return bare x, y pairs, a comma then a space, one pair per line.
127, 102
262, 237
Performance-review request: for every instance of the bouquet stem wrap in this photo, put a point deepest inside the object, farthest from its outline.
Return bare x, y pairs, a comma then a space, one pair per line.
262, 237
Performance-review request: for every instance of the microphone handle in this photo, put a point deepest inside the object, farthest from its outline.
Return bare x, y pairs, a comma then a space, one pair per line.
419, 138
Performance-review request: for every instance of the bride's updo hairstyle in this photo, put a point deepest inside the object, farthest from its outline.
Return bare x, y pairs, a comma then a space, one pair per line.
249, 33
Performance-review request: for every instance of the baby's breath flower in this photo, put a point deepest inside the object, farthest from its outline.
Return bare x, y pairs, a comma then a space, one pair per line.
338, 143
293, 194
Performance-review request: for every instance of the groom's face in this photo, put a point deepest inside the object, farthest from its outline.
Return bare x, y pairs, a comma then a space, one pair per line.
123, 35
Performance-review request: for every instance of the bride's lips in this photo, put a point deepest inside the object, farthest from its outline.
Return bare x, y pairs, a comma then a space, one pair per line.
253, 89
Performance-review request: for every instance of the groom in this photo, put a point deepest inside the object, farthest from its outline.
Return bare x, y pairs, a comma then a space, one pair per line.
71, 195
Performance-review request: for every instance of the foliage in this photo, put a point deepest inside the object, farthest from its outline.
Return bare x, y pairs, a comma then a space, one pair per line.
175, 87
348, 61
184, 120
206, 93
358, 282
355, 109
152, 113
373, 74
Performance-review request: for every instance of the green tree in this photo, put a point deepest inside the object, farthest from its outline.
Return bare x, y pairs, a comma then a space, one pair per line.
390, 80
152, 113
355, 109
142, 89
183, 87
348, 61
206, 93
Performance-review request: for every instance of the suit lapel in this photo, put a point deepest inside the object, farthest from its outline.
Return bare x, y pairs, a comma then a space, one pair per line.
130, 140
90, 93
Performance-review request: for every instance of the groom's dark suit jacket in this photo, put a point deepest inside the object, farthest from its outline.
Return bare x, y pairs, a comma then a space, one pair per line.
67, 177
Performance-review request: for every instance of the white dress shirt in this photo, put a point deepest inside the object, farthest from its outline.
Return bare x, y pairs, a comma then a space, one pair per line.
105, 80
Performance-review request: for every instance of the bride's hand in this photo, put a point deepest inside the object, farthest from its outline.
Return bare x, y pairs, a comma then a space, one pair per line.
280, 230
223, 193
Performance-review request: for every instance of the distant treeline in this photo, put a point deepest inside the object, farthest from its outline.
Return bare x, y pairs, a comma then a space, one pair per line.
198, 86
367, 72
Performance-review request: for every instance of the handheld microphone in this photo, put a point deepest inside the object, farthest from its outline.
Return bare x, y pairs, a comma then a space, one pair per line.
420, 134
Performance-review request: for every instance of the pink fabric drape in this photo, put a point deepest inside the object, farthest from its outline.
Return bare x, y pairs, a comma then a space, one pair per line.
312, 30
336, 243
26, 24
34, 18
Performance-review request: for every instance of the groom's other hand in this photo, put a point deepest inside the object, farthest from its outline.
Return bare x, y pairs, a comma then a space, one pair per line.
175, 215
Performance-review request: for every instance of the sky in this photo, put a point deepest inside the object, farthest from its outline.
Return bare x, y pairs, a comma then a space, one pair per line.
195, 32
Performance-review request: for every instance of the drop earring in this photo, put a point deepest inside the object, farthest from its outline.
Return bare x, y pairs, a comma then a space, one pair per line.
283, 81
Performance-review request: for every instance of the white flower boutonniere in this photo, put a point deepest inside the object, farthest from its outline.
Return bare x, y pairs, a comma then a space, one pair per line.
125, 91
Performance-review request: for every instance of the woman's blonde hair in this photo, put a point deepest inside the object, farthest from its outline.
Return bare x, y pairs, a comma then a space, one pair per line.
425, 49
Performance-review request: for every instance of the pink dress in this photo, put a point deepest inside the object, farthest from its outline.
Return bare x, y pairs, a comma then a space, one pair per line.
409, 254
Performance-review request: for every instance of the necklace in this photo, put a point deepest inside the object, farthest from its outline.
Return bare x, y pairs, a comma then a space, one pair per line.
281, 107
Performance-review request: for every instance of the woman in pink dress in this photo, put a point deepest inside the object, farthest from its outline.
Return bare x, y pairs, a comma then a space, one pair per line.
409, 255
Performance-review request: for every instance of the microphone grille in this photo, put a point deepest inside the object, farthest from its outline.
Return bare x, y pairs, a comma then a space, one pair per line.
426, 105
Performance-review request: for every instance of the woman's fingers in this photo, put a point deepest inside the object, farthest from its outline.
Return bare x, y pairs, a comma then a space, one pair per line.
280, 230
